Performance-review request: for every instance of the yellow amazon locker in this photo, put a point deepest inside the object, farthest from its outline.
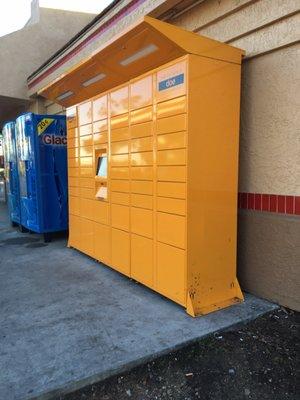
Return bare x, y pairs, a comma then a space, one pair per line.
153, 123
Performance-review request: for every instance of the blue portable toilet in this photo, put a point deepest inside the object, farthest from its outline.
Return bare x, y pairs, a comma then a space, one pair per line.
41, 143
11, 173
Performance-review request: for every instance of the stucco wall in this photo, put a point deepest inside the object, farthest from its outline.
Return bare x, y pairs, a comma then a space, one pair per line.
37, 106
25, 50
268, 30
270, 123
254, 25
268, 261
53, 108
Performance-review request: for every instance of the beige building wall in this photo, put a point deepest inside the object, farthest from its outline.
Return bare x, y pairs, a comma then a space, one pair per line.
269, 32
53, 108
270, 136
25, 50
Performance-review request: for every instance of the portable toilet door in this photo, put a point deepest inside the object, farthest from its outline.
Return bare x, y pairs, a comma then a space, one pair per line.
11, 173
42, 160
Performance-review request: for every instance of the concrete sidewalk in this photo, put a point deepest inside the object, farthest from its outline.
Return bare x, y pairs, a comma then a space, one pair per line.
67, 321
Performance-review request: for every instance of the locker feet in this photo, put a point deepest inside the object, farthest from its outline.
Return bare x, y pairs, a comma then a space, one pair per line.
47, 237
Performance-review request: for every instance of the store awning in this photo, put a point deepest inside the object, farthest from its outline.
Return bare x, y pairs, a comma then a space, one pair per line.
144, 46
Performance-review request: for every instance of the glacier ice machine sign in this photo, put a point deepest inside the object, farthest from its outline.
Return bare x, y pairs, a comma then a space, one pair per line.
54, 140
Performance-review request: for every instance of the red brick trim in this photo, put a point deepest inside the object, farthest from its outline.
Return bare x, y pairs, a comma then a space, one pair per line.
277, 203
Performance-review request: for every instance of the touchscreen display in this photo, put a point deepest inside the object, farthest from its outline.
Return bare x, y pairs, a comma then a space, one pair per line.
102, 166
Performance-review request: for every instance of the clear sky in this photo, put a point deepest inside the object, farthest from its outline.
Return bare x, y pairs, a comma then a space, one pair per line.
15, 13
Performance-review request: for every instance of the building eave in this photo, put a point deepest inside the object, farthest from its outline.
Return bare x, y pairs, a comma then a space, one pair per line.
73, 40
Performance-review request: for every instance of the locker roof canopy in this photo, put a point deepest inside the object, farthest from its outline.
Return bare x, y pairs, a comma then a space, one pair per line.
143, 46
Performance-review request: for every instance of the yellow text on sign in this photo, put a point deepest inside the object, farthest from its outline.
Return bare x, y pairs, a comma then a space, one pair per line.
43, 125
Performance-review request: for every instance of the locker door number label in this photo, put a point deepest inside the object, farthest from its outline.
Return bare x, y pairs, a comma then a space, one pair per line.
171, 82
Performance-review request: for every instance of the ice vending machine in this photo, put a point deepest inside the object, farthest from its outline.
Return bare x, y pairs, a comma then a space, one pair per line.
11, 173
42, 161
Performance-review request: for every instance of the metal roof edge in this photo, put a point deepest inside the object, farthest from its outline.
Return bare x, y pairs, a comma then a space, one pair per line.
75, 38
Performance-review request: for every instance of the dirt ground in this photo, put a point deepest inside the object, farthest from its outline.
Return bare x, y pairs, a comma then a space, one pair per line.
256, 361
